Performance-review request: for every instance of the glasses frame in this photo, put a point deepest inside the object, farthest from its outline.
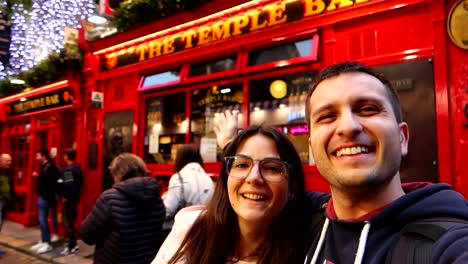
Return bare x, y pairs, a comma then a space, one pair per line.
285, 175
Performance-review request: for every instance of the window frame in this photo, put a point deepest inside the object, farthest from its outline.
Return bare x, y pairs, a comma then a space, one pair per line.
279, 41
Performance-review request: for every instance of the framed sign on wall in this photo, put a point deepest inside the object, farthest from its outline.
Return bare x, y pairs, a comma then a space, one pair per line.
457, 24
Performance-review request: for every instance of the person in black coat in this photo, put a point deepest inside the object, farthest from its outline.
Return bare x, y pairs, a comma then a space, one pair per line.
126, 221
47, 192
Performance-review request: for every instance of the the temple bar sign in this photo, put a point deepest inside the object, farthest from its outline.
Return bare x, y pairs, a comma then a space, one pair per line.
231, 25
39, 102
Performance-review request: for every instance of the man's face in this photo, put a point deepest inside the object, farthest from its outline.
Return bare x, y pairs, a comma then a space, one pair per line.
39, 157
5, 161
355, 139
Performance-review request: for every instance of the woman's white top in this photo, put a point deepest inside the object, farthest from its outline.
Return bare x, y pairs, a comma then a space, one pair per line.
198, 188
183, 222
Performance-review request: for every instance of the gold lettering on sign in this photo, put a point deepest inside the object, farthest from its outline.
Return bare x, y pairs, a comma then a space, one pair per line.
141, 51
220, 30
313, 7
154, 49
334, 4
276, 14
204, 35
259, 17
239, 23
188, 37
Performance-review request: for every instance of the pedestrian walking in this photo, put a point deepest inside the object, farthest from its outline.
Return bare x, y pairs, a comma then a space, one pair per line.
6, 188
47, 191
72, 182
126, 221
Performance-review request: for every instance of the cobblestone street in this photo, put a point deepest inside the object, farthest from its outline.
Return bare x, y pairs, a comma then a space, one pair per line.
15, 236
16, 257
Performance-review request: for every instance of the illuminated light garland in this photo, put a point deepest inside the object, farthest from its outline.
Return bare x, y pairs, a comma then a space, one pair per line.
37, 33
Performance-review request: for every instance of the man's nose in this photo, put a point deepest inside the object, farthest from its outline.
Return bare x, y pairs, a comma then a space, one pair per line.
349, 123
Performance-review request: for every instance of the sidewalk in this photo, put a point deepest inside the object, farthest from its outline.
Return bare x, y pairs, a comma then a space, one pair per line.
21, 238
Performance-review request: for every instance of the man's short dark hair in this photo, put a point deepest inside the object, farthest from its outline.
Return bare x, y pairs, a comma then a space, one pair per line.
352, 67
71, 154
44, 153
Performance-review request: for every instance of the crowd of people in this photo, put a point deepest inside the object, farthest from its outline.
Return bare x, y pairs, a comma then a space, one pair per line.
259, 211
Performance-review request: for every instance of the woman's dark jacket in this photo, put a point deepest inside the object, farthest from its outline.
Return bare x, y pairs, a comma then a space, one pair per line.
126, 222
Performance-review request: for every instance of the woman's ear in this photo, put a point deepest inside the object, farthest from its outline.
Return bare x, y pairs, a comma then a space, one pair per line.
117, 179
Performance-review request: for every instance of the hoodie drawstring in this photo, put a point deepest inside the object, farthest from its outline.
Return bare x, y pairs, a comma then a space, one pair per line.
320, 243
361, 246
362, 243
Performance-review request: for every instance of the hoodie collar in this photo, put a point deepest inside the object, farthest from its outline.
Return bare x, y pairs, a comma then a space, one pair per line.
407, 188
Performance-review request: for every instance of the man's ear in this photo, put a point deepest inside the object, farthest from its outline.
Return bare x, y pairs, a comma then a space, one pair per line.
404, 138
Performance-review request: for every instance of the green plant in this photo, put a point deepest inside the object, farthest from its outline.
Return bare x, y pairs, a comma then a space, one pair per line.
7, 9
133, 13
49, 70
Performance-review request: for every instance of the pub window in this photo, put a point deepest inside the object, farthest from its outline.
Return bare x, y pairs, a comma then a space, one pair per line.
214, 66
207, 104
166, 126
279, 101
297, 49
160, 78
20, 147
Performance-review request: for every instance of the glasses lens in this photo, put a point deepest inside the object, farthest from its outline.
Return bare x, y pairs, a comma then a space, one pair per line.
239, 166
273, 170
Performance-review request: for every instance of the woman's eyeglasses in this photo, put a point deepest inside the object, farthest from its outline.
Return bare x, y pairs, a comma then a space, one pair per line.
271, 169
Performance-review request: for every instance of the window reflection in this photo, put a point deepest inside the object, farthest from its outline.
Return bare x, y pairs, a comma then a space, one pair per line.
161, 78
207, 104
302, 48
212, 66
166, 125
280, 102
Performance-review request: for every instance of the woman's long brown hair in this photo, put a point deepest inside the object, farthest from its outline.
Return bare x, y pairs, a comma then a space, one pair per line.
213, 236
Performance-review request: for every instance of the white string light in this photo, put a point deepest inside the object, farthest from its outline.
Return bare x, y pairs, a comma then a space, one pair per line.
37, 33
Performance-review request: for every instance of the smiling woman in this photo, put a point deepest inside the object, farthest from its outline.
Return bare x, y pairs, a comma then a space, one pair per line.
257, 213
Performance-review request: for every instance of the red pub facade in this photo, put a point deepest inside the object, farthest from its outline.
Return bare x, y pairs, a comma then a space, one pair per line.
163, 85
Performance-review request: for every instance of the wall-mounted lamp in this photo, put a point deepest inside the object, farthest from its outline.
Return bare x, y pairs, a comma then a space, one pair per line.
17, 81
278, 89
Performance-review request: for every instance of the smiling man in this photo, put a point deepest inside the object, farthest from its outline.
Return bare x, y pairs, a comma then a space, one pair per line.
358, 139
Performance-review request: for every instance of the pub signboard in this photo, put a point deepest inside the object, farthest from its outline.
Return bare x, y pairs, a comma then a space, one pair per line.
40, 102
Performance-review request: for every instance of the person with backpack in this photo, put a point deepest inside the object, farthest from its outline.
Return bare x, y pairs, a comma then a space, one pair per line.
190, 184
47, 191
358, 139
72, 182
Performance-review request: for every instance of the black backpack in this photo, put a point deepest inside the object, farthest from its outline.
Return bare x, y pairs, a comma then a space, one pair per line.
417, 239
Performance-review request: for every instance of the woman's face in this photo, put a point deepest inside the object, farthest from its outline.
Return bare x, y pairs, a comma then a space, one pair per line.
255, 200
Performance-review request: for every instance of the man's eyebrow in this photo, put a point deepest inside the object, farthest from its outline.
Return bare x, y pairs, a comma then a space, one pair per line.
369, 99
322, 109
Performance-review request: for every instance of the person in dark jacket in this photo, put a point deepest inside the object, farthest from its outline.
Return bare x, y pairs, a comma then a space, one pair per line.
358, 139
47, 190
6, 187
126, 221
72, 181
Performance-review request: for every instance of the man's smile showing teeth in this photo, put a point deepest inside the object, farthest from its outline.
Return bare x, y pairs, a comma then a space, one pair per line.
255, 197
352, 151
